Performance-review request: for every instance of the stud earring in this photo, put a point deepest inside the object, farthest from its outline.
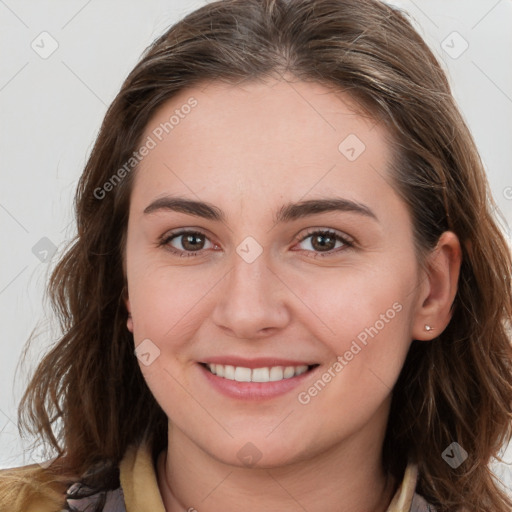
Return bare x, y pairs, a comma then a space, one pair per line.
428, 328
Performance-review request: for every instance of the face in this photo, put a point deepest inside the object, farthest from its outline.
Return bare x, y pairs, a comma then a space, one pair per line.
296, 280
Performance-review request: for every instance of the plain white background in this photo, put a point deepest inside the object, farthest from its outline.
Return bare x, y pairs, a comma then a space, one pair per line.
63, 62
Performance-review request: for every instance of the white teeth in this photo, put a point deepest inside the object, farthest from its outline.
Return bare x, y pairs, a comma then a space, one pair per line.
288, 372
301, 369
242, 374
260, 375
276, 373
267, 374
229, 372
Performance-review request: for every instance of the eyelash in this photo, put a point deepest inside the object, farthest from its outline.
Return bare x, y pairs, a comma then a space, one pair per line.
347, 243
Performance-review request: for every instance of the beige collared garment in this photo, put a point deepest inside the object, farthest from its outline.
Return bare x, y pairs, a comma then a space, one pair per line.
21, 489
141, 492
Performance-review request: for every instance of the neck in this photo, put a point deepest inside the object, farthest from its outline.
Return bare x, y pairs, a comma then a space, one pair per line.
346, 478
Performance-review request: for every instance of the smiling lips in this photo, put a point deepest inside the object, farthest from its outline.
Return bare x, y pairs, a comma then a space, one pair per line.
255, 378
264, 374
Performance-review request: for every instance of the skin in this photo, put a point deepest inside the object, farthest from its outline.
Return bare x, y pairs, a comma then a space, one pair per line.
249, 149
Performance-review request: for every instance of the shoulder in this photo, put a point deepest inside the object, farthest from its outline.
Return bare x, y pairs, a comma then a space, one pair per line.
406, 498
80, 498
419, 504
35, 489
31, 489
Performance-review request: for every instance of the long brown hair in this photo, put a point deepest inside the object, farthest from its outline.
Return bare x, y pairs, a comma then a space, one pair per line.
456, 388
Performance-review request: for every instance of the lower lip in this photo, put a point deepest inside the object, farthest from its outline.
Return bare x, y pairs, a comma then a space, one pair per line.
254, 390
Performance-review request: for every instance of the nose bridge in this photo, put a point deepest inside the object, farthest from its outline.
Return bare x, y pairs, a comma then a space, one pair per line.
252, 296
250, 279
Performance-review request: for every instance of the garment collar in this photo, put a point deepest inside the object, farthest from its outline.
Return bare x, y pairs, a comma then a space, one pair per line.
141, 492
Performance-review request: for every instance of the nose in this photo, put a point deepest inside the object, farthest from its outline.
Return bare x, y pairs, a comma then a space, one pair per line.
252, 301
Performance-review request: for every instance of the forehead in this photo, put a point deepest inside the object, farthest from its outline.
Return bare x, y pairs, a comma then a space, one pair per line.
263, 140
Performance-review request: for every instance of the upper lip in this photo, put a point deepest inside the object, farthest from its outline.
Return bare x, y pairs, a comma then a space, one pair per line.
260, 362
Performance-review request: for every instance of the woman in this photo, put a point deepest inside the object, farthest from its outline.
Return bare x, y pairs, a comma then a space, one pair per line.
287, 290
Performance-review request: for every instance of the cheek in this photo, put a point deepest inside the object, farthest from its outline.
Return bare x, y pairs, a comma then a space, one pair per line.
164, 299
349, 304
165, 303
364, 321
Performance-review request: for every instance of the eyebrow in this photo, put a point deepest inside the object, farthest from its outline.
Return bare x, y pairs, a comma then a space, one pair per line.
287, 213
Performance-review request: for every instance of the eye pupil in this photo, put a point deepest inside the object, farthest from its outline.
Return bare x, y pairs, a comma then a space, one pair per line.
317, 244
188, 241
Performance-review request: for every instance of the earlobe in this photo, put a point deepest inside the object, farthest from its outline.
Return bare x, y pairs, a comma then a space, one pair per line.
434, 310
129, 320
129, 323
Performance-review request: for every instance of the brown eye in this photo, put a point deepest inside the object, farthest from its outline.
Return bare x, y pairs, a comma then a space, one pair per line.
192, 241
185, 243
324, 241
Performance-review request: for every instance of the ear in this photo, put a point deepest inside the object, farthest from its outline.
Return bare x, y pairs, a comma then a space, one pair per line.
126, 300
434, 308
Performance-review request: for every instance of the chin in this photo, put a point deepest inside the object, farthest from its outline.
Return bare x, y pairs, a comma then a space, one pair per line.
259, 452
